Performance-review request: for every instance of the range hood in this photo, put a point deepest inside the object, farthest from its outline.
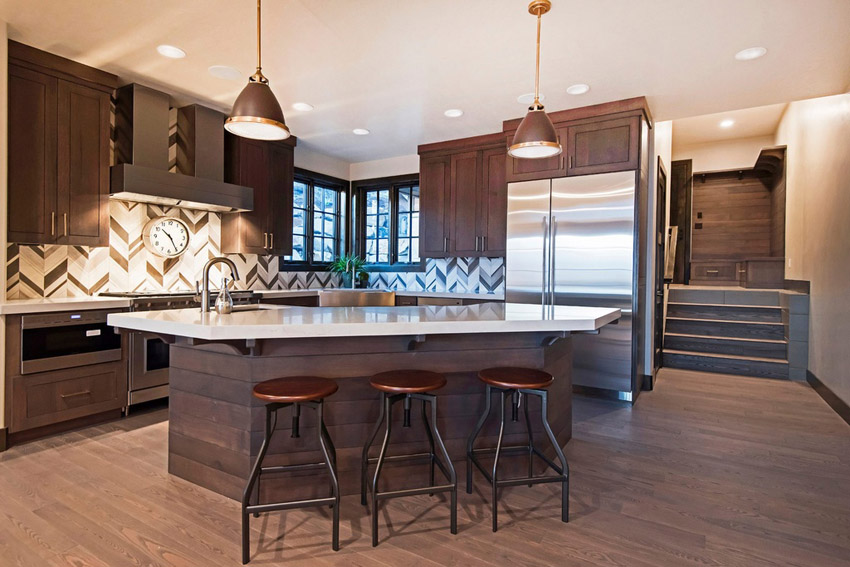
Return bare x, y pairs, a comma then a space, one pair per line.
141, 155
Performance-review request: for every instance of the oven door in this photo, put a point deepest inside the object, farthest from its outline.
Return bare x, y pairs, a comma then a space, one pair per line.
149, 362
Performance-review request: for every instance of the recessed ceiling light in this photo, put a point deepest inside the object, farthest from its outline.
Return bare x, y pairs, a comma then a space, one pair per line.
750, 53
225, 72
453, 112
302, 106
528, 98
578, 89
360, 131
727, 123
170, 51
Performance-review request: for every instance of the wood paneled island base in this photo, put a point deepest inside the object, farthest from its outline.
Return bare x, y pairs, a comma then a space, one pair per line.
216, 426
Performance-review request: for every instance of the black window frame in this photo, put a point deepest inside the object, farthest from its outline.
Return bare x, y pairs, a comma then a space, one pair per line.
341, 227
393, 184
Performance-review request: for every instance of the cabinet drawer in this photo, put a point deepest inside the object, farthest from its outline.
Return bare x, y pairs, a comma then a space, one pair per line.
721, 272
51, 397
405, 300
603, 146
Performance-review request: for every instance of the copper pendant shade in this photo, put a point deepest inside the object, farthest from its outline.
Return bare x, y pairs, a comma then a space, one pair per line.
256, 113
536, 137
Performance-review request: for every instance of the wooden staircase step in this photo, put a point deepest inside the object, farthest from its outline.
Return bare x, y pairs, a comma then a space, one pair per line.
748, 347
725, 328
724, 312
726, 364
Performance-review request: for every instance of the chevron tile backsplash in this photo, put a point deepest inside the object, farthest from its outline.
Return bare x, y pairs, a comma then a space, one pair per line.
454, 275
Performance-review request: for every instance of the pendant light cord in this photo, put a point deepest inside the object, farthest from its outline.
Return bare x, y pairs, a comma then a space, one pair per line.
537, 104
260, 36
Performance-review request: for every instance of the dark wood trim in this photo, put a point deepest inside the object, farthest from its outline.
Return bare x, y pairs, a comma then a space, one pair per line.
802, 286
837, 404
601, 393
496, 139
4, 439
383, 181
77, 423
316, 176
648, 381
358, 225
593, 111
60, 67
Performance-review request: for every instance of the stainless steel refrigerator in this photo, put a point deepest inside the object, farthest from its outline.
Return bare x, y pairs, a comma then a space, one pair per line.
571, 241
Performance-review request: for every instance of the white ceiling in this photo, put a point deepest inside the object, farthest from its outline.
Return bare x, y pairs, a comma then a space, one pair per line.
749, 123
394, 66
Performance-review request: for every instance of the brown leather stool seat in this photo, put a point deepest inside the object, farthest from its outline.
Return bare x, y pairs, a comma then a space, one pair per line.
407, 381
515, 378
294, 389
292, 392
407, 386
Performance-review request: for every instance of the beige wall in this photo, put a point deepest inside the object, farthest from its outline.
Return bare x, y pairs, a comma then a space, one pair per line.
401, 165
4, 90
817, 237
320, 163
725, 154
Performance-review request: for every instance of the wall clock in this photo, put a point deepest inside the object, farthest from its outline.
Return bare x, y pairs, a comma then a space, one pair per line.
166, 236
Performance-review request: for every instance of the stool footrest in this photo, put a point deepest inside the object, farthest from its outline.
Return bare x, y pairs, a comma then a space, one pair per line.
274, 506
473, 456
289, 468
395, 458
414, 491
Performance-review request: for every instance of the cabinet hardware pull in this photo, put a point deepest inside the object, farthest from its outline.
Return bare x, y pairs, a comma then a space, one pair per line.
76, 394
65, 215
712, 271
446, 244
52, 223
483, 243
265, 240
571, 162
271, 241
476, 243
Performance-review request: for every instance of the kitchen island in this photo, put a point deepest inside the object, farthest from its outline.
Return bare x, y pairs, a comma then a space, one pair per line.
216, 426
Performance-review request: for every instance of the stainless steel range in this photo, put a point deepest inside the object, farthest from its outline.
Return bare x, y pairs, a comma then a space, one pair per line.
148, 356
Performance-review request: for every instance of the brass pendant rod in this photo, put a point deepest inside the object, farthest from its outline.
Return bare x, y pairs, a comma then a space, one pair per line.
259, 37
537, 65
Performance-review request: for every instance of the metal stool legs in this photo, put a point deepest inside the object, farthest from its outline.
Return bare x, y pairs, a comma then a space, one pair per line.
562, 471
329, 463
443, 462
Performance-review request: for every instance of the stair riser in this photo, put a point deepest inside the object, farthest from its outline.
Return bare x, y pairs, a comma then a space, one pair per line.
717, 329
768, 315
726, 346
727, 366
736, 297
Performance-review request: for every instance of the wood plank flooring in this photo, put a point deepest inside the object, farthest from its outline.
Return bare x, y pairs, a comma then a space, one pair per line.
707, 469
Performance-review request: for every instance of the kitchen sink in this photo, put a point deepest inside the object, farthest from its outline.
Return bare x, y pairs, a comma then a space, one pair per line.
356, 298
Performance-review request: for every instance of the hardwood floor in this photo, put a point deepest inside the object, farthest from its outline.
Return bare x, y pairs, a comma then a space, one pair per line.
705, 470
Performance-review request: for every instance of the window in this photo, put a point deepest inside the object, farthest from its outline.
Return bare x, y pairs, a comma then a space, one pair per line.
318, 219
389, 221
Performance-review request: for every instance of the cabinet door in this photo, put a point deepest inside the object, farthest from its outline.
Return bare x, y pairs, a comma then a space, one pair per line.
531, 169
32, 157
603, 146
83, 166
251, 170
434, 190
280, 199
494, 203
465, 197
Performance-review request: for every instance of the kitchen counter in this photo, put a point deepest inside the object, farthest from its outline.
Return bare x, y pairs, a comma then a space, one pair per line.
281, 322
48, 305
216, 425
278, 293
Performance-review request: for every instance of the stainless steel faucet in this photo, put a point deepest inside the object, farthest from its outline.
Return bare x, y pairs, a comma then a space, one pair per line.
205, 292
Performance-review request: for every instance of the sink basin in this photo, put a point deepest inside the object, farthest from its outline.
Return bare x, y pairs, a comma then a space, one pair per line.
356, 298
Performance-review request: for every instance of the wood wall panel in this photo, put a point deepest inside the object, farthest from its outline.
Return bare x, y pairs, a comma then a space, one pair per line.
216, 426
736, 217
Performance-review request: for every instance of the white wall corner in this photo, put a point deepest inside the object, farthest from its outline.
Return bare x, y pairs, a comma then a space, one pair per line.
306, 158
4, 110
401, 165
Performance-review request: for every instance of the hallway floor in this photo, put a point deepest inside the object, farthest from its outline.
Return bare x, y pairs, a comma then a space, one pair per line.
707, 469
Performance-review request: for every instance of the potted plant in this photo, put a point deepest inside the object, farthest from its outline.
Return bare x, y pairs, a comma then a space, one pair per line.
345, 265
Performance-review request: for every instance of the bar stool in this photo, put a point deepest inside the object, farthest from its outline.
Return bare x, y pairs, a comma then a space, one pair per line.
405, 386
295, 392
517, 383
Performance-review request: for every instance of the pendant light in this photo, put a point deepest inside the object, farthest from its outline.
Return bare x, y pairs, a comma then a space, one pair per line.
256, 113
536, 137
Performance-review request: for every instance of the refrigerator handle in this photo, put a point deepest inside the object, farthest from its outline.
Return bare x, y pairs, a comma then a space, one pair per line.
545, 255
552, 253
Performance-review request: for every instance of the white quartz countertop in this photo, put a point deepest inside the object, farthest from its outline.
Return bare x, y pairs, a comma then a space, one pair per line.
276, 293
280, 322
47, 305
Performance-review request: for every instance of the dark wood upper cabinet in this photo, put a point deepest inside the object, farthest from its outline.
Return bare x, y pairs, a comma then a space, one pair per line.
268, 168
464, 197
603, 146
58, 149
544, 168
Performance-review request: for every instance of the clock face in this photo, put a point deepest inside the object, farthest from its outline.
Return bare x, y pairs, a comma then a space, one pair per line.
166, 236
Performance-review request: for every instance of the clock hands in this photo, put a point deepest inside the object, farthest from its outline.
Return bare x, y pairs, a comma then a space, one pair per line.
171, 239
